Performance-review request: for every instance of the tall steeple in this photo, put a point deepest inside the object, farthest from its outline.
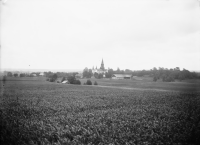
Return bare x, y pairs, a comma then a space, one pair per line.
102, 65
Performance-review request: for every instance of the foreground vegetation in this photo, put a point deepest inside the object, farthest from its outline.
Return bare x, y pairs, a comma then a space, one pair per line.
40, 112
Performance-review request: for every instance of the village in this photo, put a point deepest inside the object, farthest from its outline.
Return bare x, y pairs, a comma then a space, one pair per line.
99, 73
160, 74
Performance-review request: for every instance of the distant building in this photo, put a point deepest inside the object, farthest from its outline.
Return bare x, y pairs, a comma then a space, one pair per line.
34, 75
121, 76
65, 82
101, 70
41, 74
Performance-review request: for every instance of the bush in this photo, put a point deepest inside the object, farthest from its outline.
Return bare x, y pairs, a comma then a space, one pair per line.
51, 80
77, 82
154, 79
95, 83
15, 75
4, 79
88, 82
47, 79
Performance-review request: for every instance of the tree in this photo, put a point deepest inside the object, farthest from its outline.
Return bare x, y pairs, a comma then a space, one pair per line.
4, 80
15, 75
22, 75
9, 74
109, 73
128, 71
100, 76
164, 77
87, 73
71, 79
63, 79
54, 77
95, 83
140, 74
170, 78
74, 73
77, 82
154, 78
88, 82
51, 80
181, 77
48, 74
118, 71
96, 75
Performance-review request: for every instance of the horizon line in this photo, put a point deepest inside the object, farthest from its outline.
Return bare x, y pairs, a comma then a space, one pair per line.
70, 70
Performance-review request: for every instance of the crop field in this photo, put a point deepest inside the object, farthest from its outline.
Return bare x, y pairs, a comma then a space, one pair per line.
34, 111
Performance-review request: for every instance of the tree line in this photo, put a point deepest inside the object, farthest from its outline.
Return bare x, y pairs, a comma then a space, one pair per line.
170, 75
70, 77
167, 75
10, 74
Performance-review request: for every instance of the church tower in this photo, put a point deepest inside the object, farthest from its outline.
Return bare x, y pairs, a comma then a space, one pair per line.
102, 65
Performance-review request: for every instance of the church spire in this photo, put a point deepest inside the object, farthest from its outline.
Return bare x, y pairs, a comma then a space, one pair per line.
102, 65
102, 62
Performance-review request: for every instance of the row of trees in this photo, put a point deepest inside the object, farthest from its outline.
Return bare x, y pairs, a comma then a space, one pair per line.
170, 75
160, 73
60, 74
72, 80
52, 77
10, 74
89, 82
165, 74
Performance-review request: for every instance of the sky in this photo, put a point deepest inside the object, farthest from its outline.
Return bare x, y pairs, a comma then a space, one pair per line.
74, 34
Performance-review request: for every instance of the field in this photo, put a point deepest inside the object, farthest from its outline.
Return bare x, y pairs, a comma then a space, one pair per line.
146, 83
34, 111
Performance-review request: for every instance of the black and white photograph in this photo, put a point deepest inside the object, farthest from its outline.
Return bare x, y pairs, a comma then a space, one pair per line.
99, 72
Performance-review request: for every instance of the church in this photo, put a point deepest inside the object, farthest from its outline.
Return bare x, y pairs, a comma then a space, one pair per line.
101, 70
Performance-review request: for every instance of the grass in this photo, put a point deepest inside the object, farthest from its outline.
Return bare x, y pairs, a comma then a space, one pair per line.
147, 83
40, 112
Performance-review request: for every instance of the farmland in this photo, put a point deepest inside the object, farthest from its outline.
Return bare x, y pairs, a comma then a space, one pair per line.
148, 84
34, 111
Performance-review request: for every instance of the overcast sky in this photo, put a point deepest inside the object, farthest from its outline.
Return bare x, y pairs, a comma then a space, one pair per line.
137, 34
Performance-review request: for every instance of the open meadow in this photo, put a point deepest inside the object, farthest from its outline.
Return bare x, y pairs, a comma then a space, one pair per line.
35, 111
